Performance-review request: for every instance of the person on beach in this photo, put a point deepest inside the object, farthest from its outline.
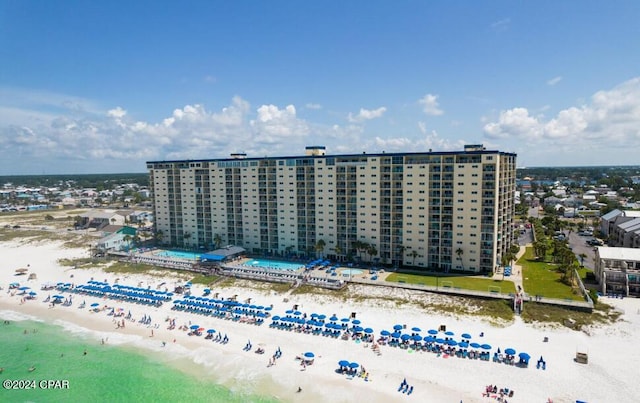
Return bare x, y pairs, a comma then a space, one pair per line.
299, 389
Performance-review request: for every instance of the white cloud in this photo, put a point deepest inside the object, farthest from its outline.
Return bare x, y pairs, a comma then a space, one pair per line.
501, 25
612, 118
366, 114
554, 81
430, 105
274, 125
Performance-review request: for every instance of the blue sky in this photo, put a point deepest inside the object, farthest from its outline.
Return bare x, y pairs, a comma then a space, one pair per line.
89, 87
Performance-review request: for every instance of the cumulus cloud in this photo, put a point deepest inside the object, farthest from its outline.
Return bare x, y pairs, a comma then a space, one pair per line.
366, 114
273, 125
430, 105
554, 81
612, 117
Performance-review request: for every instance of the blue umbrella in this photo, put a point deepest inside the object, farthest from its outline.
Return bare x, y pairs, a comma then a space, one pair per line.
357, 329
432, 331
289, 312
297, 313
344, 320
384, 333
356, 322
452, 342
475, 345
449, 333
405, 337
429, 339
353, 365
486, 347
368, 330
524, 356
194, 327
416, 337
395, 335
95, 304
211, 331
510, 351
397, 327
309, 354
333, 318
322, 317
58, 296
440, 341
343, 363
416, 329
466, 336
23, 288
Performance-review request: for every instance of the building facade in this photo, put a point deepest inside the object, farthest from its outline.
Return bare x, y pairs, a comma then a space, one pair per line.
431, 210
618, 270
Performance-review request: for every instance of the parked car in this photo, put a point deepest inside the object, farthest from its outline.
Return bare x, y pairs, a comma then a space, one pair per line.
595, 242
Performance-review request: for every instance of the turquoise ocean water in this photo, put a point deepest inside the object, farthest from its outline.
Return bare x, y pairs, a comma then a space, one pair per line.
105, 374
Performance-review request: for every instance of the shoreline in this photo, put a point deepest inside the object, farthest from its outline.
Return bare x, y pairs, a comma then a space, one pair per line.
434, 378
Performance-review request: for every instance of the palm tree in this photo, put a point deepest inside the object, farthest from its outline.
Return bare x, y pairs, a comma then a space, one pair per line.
320, 246
186, 236
414, 255
582, 256
217, 240
159, 236
459, 253
338, 251
372, 251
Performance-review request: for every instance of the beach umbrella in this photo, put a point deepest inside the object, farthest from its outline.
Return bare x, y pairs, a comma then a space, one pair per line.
357, 329
353, 365
194, 327
343, 363
322, 317
433, 331
416, 337
297, 313
289, 312
397, 327
440, 341
333, 318
452, 342
416, 329
396, 335
449, 333
524, 356
405, 337
95, 304
466, 336
211, 331
475, 345
309, 354
23, 288
510, 351
356, 322
58, 296
384, 333
314, 315
463, 344
344, 320
368, 330
429, 339
486, 347
275, 318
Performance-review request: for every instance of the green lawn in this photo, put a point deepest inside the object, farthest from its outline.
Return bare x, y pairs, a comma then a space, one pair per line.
540, 278
463, 282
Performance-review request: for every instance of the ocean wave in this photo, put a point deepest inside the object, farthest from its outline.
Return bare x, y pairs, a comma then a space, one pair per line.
113, 338
7, 314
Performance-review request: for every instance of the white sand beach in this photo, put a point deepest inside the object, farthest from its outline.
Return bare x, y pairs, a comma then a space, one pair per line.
607, 377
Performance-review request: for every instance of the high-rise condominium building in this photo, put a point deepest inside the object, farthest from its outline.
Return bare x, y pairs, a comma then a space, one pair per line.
430, 210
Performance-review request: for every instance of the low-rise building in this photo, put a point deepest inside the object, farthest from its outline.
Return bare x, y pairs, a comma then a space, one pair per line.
618, 270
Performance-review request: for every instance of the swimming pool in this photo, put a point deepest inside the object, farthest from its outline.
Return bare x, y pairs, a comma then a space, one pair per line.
175, 254
272, 264
351, 272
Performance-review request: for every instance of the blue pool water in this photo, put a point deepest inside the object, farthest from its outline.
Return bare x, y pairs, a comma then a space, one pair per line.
272, 264
174, 254
351, 272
